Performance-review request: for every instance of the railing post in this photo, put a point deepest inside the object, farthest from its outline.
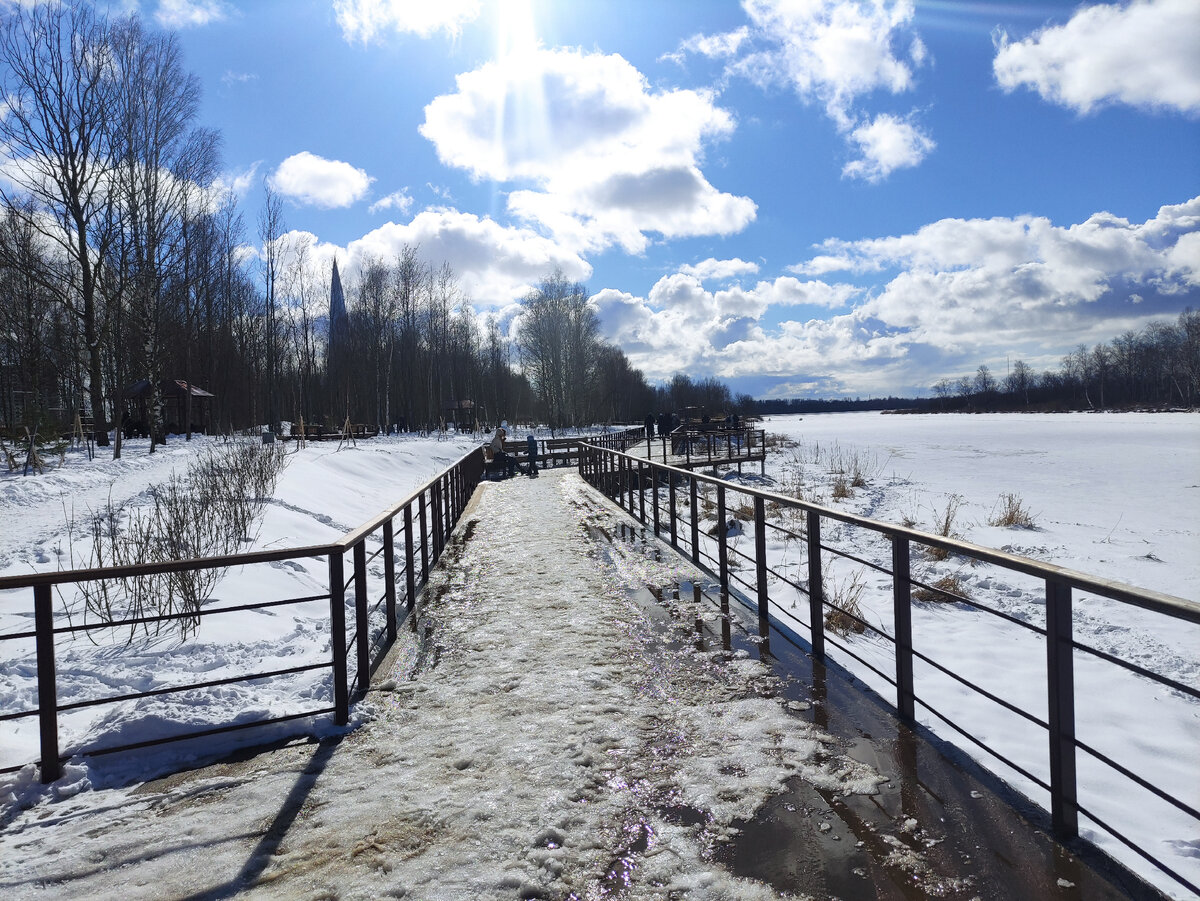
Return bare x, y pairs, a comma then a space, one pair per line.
654, 474
641, 472
424, 538
695, 518
1060, 672
47, 681
362, 627
436, 526
722, 546
337, 637
671, 510
902, 608
410, 586
760, 560
816, 591
389, 576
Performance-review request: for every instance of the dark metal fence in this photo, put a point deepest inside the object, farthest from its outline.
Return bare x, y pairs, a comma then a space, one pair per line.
408, 539
658, 495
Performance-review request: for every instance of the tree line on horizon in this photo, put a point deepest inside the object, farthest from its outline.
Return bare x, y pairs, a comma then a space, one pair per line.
1157, 367
123, 260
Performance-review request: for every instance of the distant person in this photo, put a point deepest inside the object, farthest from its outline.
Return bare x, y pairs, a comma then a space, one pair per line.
531, 444
500, 455
664, 423
649, 426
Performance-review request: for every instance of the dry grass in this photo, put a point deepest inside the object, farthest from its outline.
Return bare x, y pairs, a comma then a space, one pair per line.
1011, 513
940, 590
846, 596
841, 489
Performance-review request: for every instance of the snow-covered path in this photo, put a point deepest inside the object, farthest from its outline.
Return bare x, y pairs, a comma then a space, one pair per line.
540, 741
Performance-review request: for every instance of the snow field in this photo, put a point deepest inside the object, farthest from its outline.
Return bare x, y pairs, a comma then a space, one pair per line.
1112, 495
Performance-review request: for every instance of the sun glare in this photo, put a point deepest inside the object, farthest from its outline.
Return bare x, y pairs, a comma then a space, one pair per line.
516, 33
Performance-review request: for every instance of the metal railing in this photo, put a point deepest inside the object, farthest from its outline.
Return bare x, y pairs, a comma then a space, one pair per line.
650, 492
426, 520
689, 446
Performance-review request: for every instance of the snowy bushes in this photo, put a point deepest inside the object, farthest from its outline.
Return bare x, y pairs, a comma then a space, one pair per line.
207, 512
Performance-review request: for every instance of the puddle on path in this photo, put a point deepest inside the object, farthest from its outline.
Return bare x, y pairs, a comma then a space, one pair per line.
937, 828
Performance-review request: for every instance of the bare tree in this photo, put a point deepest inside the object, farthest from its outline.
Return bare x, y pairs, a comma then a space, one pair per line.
57, 89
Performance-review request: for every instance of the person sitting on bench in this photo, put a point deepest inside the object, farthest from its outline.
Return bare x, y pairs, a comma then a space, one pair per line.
500, 455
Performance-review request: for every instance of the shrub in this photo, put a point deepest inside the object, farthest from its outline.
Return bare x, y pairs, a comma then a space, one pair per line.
1010, 512
941, 590
845, 613
944, 526
208, 512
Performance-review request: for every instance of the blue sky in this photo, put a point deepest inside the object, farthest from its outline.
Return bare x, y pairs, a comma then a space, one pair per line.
802, 197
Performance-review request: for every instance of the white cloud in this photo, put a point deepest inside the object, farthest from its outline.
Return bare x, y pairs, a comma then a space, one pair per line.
719, 270
365, 20
1144, 54
231, 78
980, 288
239, 183
887, 144
190, 13
398, 200
832, 51
609, 159
495, 264
312, 180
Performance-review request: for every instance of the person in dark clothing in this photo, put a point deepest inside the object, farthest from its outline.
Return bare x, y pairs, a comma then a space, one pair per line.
531, 444
649, 426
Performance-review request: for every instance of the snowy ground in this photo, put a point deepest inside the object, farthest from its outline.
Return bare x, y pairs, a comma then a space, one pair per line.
1112, 495
534, 752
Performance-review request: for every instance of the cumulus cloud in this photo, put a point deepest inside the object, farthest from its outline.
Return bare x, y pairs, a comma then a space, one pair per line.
719, 270
190, 13
494, 263
833, 53
238, 183
398, 200
313, 180
365, 20
955, 291
887, 143
609, 159
1144, 54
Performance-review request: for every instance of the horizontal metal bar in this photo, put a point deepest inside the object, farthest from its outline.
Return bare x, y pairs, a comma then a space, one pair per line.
167, 617
1140, 670
983, 608
13, 636
829, 639
202, 733
177, 689
1129, 774
16, 716
68, 576
967, 735
1142, 852
983, 691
